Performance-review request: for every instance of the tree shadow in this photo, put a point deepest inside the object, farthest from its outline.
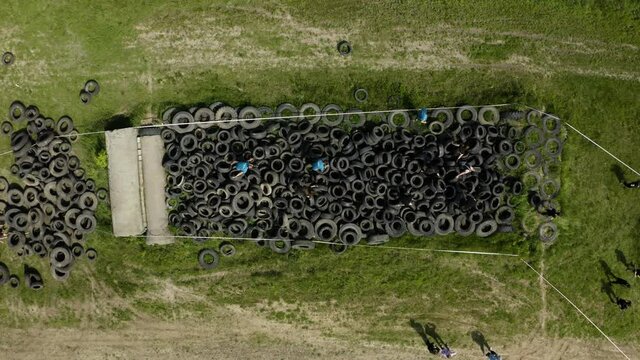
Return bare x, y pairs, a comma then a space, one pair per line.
479, 339
618, 172
420, 329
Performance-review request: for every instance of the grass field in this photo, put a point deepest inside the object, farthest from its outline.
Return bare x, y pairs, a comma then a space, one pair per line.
577, 59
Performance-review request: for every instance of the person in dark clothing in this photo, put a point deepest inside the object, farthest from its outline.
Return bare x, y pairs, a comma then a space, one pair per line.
632, 184
623, 304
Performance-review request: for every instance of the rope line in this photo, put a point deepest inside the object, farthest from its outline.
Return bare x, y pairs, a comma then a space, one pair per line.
580, 311
603, 149
330, 243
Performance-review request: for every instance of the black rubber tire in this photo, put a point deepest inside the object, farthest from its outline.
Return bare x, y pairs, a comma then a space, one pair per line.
377, 239
204, 262
227, 249
553, 148
280, 246
444, 224
8, 58
17, 111
548, 232
6, 128
4, 273
492, 112
463, 226
512, 162
545, 194
486, 228
360, 118
91, 254
361, 95
533, 137
404, 117
92, 87
85, 97
338, 247
505, 215
332, 119
344, 48
14, 281
551, 124
466, 109
316, 113
536, 156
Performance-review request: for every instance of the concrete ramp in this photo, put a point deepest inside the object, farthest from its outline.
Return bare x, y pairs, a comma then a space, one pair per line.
124, 182
154, 181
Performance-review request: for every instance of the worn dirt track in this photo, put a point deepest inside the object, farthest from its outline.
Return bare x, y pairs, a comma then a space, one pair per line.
236, 333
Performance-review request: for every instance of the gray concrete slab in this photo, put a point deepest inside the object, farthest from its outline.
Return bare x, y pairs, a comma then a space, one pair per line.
154, 181
124, 182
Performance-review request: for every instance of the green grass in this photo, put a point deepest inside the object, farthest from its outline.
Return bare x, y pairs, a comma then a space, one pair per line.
578, 59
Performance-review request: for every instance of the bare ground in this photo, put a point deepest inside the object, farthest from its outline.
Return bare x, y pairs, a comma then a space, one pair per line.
235, 333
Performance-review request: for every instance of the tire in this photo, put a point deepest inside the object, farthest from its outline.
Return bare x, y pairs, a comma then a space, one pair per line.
512, 162
505, 215
551, 125
548, 232
338, 247
463, 226
14, 281
466, 109
6, 128
8, 58
378, 239
361, 119
316, 113
226, 113
547, 194
533, 137
436, 128
4, 274
204, 262
532, 159
444, 224
326, 229
249, 113
85, 97
280, 246
404, 118
17, 111
492, 112
91, 254
344, 47
327, 117
227, 249
92, 87
280, 111
553, 148
486, 228
361, 95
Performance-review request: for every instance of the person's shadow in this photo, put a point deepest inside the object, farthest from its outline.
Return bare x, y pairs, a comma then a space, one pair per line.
623, 259
420, 329
613, 279
608, 289
479, 339
618, 172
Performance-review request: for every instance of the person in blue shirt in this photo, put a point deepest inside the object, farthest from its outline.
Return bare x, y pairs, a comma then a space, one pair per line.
319, 166
492, 355
241, 168
423, 116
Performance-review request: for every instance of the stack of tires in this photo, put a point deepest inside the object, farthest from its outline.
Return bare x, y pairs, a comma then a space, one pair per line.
387, 175
52, 212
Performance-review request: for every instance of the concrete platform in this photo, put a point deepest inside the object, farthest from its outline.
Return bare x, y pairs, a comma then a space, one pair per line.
154, 181
124, 182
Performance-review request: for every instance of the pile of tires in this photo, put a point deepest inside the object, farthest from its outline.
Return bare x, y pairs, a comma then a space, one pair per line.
388, 175
52, 212
540, 151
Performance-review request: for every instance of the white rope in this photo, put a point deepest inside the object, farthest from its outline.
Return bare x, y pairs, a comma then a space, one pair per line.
580, 311
586, 137
331, 243
603, 149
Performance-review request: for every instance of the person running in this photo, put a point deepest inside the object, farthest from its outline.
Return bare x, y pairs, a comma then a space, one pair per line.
492, 355
445, 352
319, 166
631, 185
241, 168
